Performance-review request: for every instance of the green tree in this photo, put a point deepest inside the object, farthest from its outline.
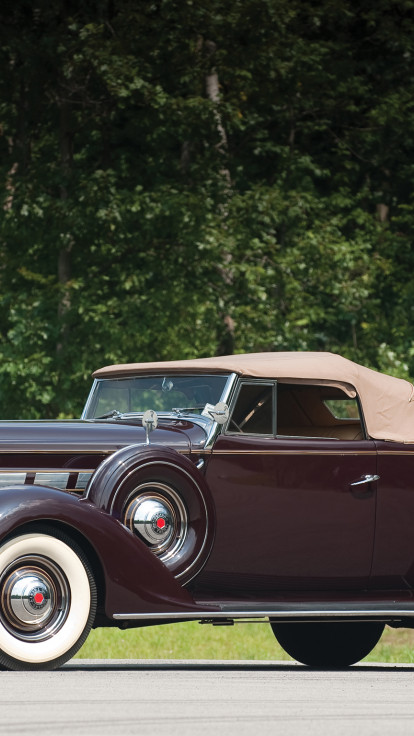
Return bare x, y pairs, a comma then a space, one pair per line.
183, 178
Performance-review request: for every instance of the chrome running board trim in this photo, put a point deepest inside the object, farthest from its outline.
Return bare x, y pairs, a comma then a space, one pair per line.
385, 611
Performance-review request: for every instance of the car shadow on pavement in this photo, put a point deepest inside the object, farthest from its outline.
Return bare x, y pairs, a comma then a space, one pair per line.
222, 666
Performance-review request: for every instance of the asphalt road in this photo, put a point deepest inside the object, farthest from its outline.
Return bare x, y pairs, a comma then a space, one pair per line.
179, 698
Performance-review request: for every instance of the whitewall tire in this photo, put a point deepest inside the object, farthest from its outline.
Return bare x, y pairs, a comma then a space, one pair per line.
47, 600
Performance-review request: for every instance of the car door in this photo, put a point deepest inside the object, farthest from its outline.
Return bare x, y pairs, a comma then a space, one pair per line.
294, 513
393, 563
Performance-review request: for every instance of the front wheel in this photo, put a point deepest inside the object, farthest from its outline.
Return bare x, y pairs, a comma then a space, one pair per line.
328, 644
47, 600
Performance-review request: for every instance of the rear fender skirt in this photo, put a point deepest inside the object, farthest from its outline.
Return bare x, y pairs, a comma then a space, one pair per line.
138, 470
135, 579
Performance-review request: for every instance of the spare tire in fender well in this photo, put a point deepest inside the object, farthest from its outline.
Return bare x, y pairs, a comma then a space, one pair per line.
163, 476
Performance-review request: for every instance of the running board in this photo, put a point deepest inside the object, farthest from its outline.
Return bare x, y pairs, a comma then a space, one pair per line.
382, 610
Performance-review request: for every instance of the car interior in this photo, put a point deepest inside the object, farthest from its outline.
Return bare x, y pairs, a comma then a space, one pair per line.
302, 410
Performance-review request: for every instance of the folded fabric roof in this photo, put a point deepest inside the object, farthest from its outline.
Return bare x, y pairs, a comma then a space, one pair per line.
387, 402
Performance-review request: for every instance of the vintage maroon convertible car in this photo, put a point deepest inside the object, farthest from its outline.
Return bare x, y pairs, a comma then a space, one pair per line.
276, 486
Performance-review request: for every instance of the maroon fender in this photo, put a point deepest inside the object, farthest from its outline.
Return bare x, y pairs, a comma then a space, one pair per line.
137, 471
135, 579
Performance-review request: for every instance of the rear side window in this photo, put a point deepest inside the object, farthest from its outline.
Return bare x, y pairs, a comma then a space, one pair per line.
343, 408
317, 411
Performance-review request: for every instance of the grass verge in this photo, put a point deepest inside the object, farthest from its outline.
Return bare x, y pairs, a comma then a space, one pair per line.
242, 641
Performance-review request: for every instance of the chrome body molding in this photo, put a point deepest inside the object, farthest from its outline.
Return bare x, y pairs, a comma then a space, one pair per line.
295, 452
395, 452
379, 611
62, 449
12, 478
83, 480
66, 480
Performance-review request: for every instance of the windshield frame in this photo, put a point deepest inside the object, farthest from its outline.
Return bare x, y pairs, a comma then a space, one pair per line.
90, 402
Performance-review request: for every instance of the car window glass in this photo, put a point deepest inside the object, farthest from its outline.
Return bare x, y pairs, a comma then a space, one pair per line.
343, 408
160, 393
252, 413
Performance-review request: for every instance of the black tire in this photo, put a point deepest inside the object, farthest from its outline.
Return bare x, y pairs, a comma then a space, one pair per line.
47, 600
328, 644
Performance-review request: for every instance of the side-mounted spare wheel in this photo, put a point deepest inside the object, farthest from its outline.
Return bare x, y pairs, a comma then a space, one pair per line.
48, 600
166, 509
163, 499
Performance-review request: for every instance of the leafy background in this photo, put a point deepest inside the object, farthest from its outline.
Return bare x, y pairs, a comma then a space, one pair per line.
182, 178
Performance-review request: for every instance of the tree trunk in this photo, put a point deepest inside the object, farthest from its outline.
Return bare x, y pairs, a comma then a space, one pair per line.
226, 337
213, 94
64, 257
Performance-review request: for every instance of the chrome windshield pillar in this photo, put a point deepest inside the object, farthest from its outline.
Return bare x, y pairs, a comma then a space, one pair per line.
226, 397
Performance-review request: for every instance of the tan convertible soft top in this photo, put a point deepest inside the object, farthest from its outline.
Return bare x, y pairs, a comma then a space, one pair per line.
387, 402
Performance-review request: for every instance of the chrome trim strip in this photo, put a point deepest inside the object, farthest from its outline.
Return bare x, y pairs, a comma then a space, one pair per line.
395, 452
83, 480
47, 477
57, 480
64, 450
293, 452
82, 451
12, 478
206, 450
316, 613
49, 470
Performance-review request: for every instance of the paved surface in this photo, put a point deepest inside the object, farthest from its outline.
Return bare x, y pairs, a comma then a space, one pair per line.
215, 698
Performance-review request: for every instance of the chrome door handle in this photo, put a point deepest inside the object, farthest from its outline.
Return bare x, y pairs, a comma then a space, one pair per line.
365, 479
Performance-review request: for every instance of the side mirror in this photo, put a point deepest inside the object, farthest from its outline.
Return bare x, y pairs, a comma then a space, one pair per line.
149, 421
219, 412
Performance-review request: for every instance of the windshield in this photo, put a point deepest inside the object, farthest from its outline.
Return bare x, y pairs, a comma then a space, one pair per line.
162, 393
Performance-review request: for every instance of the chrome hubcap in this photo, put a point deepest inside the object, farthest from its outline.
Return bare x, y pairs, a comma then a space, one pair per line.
158, 516
31, 597
153, 519
35, 598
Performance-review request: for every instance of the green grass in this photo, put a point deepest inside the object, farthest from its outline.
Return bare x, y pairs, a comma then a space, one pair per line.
241, 641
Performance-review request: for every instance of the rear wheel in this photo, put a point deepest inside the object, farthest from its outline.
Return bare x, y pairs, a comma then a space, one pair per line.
328, 644
47, 600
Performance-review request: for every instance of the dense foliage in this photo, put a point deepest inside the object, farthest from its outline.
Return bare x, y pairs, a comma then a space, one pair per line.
183, 178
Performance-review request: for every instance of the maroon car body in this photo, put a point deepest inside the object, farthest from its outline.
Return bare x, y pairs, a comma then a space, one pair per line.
271, 492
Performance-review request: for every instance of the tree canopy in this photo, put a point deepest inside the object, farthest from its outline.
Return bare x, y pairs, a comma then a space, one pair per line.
182, 178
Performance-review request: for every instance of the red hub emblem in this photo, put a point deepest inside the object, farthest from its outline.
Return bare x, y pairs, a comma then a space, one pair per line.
38, 597
161, 523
